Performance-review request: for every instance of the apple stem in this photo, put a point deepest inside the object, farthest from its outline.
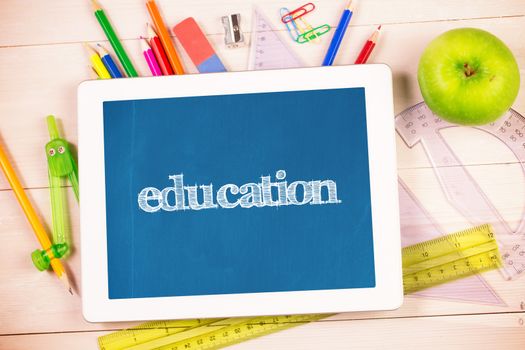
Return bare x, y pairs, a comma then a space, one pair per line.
469, 71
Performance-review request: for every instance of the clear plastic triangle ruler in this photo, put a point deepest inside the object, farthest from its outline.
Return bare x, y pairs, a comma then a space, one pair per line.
419, 125
268, 50
417, 225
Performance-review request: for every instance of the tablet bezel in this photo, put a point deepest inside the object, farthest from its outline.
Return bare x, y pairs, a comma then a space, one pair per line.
388, 292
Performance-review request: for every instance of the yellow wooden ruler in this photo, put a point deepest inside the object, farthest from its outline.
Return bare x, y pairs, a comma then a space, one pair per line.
425, 265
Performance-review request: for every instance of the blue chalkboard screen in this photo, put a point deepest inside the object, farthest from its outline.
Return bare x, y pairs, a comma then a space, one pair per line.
243, 193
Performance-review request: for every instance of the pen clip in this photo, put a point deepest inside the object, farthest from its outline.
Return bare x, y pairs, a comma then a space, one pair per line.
298, 12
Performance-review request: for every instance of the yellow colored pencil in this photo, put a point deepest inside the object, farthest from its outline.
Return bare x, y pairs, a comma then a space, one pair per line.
33, 219
92, 73
97, 63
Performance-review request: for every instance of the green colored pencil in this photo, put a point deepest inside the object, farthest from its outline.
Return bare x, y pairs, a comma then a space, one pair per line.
113, 39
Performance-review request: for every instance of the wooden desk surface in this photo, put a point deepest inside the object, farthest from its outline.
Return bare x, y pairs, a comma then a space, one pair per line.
42, 61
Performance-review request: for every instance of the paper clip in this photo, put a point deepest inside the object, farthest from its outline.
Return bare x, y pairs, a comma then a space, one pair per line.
297, 13
291, 26
313, 34
305, 27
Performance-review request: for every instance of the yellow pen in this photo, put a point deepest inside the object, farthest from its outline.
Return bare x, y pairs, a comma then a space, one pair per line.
97, 63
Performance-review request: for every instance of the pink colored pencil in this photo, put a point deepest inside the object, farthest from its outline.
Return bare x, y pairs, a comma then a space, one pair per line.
150, 58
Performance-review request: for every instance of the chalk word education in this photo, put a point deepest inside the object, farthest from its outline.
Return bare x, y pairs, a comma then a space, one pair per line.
229, 196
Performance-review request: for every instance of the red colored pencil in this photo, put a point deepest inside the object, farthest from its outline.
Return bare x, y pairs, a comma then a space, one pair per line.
368, 48
158, 50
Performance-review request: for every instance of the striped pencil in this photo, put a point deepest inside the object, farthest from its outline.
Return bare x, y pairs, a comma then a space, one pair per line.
158, 50
111, 66
150, 58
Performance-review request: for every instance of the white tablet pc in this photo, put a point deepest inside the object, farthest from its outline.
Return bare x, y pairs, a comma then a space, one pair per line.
236, 194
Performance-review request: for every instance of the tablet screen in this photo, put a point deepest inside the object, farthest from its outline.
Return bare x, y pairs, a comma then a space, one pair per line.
247, 193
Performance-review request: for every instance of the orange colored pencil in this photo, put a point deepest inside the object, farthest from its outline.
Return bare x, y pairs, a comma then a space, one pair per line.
33, 219
164, 37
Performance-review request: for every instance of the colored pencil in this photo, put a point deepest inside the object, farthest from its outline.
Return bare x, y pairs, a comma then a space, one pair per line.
96, 62
164, 37
93, 73
150, 58
113, 39
339, 34
32, 217
111, 66
160, 55
368, 47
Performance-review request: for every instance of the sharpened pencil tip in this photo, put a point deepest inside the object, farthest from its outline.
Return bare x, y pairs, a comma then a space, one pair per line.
101, 50
351, 5
151, 31
65, 280
379, 28
95, 5
144, 44
88, 47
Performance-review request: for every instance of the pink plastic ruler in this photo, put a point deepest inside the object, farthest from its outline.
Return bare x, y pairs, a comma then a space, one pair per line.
419, 125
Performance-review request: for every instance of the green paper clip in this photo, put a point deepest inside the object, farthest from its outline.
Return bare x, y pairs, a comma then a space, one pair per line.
61, 167
313, 34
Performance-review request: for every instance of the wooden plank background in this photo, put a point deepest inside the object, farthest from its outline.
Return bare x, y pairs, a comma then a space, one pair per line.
42, 61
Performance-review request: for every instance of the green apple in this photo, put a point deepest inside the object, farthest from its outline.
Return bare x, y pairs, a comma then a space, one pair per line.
468, 76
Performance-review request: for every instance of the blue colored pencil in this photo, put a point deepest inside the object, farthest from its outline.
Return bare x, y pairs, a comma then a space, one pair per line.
111, 66
339, 34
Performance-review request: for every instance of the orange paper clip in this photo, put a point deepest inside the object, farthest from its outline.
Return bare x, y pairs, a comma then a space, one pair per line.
298, 12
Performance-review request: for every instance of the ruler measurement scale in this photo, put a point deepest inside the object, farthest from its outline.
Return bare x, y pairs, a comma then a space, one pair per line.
268, 50
209, 334
449, 257
148, 332
425, 265
451, 271
419, 125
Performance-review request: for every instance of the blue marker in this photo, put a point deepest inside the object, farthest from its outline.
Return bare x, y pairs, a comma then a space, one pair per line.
108, 62
338, 35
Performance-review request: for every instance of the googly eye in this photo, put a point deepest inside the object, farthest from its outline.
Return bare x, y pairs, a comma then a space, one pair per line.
61, 149
52, 152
